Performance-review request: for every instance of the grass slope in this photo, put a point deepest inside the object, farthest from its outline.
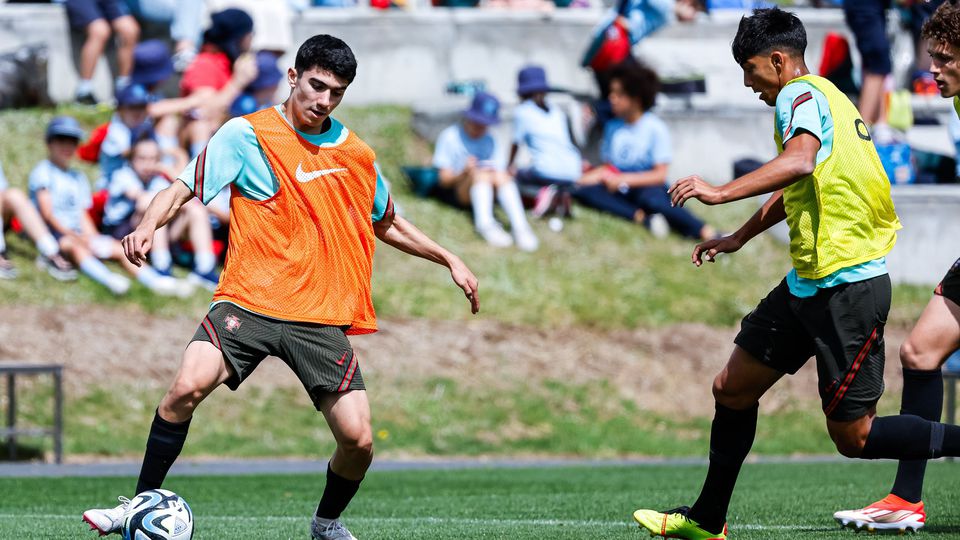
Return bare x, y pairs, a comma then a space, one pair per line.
773, 501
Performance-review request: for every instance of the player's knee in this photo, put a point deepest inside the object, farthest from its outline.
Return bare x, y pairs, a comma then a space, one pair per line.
358, 446
912, 357
730, 397
184, 396
849, 442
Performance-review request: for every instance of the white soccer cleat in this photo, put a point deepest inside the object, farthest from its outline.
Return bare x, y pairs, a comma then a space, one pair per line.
333, 530
107, 520
888, 514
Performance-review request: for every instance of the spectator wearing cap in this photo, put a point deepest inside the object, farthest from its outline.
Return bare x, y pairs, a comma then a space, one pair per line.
185, 19
62, 195
472, 169
129, 123
544, 130
100, 19
259, 93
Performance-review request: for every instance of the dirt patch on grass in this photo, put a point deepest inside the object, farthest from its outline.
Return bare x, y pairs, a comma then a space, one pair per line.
667, 370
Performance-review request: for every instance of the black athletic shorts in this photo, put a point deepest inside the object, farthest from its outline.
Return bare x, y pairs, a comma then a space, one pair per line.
949, 286
842, 326
320, 355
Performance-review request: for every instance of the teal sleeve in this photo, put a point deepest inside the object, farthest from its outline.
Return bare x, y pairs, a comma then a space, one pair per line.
798, 108
232, 156
382, 204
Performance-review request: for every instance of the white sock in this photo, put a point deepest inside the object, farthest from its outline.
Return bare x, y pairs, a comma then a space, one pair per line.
149, 277
85, 86
97, 271
204, 262
122, 82
47, 246
161, 258
481, 199
3, 241
509, 197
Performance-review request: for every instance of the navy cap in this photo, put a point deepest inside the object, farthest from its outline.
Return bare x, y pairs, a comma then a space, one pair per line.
152, 63
268, 74
532, 80
485, 109
134, 95
64, 126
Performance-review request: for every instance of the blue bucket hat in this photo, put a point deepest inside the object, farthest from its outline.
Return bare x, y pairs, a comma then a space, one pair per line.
64, 126
532, 80
152, 63
268, 74
485, 109
134, 95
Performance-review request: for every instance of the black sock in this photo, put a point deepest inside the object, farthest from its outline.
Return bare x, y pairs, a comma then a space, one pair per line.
336, 495
910, 437
923, 397
731, 437
163, 446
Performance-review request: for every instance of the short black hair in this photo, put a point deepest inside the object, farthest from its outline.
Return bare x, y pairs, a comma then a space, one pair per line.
639, 81
328, 53
766, 30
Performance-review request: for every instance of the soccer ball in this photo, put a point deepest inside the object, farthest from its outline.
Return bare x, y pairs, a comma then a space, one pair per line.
157, 514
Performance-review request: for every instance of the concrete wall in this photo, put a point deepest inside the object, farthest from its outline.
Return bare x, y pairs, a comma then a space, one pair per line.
930, 239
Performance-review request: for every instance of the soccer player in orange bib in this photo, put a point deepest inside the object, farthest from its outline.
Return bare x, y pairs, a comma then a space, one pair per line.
307, 202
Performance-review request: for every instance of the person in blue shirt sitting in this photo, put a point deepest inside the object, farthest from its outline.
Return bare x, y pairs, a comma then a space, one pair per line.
636, 152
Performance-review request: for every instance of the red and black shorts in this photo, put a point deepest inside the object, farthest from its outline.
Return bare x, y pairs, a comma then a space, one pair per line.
949, 286
842, 326
320, 355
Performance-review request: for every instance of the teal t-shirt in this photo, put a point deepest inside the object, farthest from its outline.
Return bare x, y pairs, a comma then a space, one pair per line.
803, 108
234, 157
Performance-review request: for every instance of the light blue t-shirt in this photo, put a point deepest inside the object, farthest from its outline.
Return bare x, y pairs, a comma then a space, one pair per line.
3, 180
454, 147
116, 143
547, 137
69, 192
119, 207
234, 156
636, 147
801, 107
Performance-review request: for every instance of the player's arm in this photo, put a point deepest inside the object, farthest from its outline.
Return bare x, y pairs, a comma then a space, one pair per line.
162, 209
403, 235
798, 160
771, 213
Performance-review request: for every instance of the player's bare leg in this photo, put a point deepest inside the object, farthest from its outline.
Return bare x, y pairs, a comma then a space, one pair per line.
348, 415
935, 336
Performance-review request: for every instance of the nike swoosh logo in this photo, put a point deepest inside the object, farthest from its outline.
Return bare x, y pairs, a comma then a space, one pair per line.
303, 176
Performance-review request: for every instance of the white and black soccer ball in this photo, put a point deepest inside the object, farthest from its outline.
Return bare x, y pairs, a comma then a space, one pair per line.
157, 514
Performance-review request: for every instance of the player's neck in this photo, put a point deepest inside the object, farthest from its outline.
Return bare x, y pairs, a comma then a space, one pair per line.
292, 119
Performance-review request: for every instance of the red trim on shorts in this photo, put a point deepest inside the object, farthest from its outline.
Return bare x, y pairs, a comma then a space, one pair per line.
851, 374
348, 376
939, 290
211, 331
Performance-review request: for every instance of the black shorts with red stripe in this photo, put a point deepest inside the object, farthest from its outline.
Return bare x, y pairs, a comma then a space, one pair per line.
949, 286
320, 355
841, 326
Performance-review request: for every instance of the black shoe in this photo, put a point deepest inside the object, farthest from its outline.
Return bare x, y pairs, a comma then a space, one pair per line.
85, 99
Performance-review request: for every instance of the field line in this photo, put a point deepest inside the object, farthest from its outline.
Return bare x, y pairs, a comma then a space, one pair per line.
441, 521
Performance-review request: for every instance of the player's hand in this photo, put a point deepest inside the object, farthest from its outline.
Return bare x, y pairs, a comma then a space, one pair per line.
711, 248
137, 244
465, 279
694, 187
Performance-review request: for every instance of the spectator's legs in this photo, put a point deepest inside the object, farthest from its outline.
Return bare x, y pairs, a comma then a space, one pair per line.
199, 133
598, 197
481, 190
146, 274
201, 236
160, 256
97, 32
509, 197
871, 98
867, 21
654, 200
15, 203
128, 33
92, 267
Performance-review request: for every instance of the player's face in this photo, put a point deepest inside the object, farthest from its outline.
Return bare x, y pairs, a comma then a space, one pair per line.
145, 159
62, 150
761, 75
945, 67
316, 93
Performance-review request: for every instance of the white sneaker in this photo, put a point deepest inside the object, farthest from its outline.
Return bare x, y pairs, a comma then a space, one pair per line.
495, 235
333, 530
658, 225
107, 520
118, 285
526, 240
57, 267
168, 286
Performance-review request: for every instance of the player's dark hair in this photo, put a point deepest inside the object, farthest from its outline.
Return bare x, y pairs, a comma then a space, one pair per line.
767, 30
328, 53
639, 81
944, 25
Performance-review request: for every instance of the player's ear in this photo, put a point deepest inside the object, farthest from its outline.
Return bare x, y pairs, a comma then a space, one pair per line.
292, 77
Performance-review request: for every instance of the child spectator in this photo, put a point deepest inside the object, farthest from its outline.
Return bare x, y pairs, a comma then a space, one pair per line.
128, 124
472, 168
14, 204
185, 18
97, 18
636, 153
545, 131
62, 195
259, 93
132, 188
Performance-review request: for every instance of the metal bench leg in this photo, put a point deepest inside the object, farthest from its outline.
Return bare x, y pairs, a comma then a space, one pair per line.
58, 416
11, 416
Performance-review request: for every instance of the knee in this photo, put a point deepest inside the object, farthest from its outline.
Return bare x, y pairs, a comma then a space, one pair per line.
127, 29
912, 357
849, 444
730, 397
358, 446
183, 397
98, 30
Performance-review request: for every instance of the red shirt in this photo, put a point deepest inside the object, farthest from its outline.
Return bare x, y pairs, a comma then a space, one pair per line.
210, 69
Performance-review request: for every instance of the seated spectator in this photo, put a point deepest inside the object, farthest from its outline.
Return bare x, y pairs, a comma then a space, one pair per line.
636, 152
184, 17
259, 93
129, 123
471, 168
218, 74
132, 188
545, 131
62, 195
98, 19
14, 204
